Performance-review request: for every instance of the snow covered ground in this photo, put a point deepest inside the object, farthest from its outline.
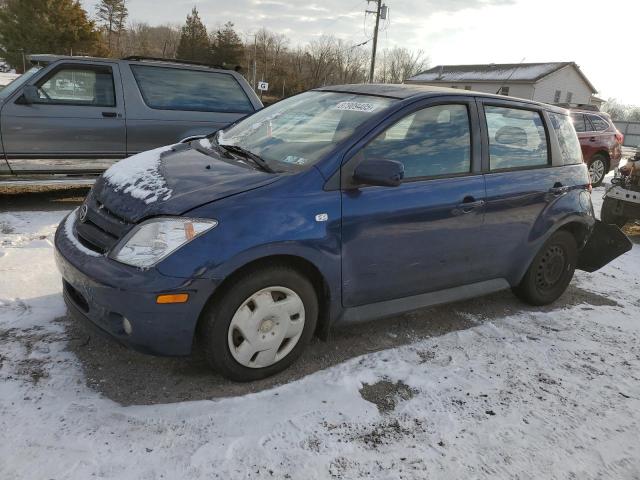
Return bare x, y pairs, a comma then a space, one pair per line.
532, 395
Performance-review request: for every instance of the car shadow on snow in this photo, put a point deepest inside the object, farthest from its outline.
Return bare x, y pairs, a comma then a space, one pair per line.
131, 378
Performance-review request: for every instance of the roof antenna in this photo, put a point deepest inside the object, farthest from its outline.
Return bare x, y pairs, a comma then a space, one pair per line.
510, 75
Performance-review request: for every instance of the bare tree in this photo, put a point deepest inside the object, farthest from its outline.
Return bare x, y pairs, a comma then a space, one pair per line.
399, 63
112, 15
158, 41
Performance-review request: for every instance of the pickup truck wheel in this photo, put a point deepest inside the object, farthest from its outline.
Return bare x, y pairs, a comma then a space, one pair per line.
608, 216
261, 324
550, 272
598, 168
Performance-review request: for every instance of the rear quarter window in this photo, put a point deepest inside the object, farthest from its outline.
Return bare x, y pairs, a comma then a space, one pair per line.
567, 139
193, 90
599, 124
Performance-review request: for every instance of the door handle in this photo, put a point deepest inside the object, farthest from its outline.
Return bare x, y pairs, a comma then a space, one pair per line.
558, 189
110, 114
469, 204
592, 139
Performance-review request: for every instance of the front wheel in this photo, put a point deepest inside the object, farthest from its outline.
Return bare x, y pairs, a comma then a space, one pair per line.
550, 272
608, 215
261, 324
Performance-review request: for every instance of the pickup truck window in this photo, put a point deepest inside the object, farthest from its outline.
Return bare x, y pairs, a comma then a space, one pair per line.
79, 86
194, 90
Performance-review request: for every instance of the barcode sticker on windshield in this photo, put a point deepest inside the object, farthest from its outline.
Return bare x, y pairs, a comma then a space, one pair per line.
356, 106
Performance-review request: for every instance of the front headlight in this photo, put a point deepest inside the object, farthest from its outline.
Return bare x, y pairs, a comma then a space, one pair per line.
155, 239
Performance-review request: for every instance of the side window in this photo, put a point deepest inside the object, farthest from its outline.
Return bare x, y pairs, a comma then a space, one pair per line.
578, 122
517, 138
195, 90
75, 85
567, 139
556, 96
599, 124
569, 97
430, 142
504, 91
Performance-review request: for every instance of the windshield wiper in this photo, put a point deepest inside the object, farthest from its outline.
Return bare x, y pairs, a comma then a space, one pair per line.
256, 159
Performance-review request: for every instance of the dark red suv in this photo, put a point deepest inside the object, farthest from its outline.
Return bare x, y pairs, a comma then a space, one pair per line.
600, 140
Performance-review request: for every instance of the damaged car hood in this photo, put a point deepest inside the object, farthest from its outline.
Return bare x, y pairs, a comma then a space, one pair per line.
172, 180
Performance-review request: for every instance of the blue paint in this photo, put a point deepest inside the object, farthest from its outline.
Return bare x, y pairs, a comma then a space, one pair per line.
378, 244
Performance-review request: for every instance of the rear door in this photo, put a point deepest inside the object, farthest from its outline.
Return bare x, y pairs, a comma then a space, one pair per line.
77, 125
166, 104
422, 235
521, 183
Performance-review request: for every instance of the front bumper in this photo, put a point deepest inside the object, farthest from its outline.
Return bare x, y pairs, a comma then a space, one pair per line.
104, 292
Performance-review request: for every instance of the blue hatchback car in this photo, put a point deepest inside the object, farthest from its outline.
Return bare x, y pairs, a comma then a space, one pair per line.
340, 204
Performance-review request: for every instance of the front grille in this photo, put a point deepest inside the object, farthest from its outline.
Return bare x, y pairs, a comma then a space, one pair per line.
101, 229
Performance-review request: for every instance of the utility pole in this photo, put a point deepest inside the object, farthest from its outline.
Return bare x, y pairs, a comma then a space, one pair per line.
380, 12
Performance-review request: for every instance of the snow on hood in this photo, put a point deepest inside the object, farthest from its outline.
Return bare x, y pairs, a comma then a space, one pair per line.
140, 177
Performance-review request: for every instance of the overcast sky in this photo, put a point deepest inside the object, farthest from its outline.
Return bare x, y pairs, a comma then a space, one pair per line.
603, 38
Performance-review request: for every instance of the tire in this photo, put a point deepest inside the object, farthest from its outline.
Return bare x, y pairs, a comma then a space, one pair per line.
261, 323
550, 272
598, 169
608, 216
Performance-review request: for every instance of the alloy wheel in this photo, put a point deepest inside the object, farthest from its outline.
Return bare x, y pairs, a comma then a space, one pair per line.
596, 171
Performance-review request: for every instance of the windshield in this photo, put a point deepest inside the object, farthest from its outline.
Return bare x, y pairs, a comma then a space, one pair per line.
297, 132
18, 82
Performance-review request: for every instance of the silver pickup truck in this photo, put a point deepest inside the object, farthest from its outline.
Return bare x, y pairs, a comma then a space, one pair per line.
71, 117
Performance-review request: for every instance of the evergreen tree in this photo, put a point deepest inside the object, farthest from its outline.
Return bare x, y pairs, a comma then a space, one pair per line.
112, 15
226, 46
194, 41
45, 26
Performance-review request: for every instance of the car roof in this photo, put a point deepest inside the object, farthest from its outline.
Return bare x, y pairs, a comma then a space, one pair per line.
175, 63
404, 91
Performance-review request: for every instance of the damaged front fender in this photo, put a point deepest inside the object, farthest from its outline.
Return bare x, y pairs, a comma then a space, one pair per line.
606, 243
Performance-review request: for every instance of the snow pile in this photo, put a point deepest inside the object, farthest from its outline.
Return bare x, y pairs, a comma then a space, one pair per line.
6, 78
550, 393
140, 176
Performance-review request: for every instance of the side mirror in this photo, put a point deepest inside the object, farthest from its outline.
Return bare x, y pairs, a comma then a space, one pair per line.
30, 94
385, 173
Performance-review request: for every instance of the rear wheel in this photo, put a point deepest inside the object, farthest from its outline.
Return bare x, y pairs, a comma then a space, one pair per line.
261, 324
550, 272
608, 215
598, 168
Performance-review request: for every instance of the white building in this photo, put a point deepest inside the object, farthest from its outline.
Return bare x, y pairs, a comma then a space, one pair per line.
557, 82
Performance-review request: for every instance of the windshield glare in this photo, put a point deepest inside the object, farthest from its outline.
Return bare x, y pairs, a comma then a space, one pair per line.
18, 82
297, 132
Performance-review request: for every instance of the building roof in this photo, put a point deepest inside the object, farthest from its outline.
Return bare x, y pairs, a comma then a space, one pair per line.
495, 72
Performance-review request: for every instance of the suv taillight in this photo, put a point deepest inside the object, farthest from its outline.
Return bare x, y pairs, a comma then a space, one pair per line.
619, 137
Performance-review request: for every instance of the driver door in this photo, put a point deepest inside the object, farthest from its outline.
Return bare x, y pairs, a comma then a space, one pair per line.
421, 236
76, 125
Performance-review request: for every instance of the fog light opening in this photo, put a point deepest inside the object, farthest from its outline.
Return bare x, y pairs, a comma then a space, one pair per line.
126, 326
